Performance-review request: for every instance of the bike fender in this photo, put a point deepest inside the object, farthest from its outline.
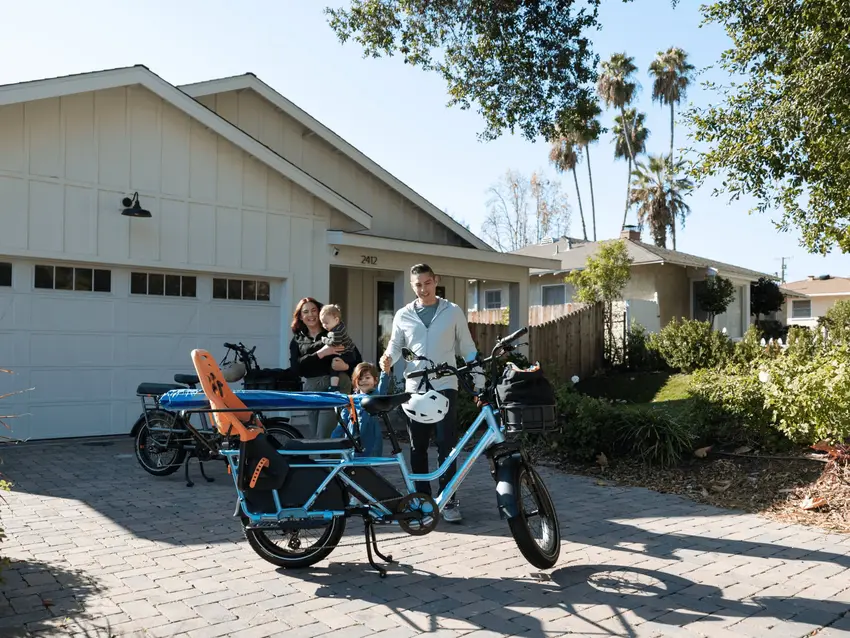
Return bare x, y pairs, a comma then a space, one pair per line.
138, 424
507, 498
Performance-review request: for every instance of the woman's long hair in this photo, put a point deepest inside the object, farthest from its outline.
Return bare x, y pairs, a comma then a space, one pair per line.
297, 323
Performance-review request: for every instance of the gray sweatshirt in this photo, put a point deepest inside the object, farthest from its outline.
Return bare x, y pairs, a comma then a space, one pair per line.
447, 336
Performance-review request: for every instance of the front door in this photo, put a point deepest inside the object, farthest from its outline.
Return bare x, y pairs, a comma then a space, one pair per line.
385, 306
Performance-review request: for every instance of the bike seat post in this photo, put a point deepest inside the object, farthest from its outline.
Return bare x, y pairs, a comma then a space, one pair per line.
393, 438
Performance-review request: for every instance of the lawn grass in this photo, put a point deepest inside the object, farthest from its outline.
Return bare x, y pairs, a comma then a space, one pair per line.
666, 391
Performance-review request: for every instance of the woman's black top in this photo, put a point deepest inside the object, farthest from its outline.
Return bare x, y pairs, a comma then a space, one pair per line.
304, 361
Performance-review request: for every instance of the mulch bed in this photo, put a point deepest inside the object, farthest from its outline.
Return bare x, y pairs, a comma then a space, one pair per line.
802, 487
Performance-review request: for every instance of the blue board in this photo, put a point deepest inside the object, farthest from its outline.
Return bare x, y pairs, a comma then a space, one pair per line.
194, 399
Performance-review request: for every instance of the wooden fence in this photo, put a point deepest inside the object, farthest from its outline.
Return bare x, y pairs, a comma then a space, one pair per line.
569, 345
536, 314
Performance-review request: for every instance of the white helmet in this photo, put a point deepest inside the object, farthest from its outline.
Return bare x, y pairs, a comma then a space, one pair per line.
233, 371
430, 407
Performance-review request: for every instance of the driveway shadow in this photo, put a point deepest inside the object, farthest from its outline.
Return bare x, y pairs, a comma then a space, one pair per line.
589, 600
43, 597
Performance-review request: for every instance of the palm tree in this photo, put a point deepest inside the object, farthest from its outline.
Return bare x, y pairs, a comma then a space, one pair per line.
617, 89
673, 74
565, 154
588, 131
637, 138
660, 198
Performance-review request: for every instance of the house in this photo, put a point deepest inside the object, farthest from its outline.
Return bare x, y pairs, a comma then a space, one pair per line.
817, 296
252, 203
662, 286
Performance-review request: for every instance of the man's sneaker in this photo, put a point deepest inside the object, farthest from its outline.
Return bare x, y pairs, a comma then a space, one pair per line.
451, 512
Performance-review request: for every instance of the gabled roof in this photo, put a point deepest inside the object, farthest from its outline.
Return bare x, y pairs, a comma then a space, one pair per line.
252, 82
817, 287
641, 253
141, 75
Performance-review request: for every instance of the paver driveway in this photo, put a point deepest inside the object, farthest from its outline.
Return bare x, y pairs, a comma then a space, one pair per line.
100, 548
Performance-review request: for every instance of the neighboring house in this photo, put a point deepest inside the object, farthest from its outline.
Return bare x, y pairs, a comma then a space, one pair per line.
253, 205
662, 286
819, 294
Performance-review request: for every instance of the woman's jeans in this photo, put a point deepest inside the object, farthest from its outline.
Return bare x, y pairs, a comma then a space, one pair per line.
446, 438
323, 422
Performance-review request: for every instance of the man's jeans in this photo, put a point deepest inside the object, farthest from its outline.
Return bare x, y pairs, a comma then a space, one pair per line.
446, 438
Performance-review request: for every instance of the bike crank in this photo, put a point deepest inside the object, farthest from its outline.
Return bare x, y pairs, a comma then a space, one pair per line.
417, 514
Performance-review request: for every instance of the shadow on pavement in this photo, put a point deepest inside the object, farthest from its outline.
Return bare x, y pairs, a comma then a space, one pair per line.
42, 597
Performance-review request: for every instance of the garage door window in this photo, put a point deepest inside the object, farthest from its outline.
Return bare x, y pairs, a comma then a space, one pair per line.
241, 289
153, 283
5, 274
68, 278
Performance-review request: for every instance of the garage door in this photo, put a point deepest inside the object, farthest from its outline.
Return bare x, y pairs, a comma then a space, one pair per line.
84, 336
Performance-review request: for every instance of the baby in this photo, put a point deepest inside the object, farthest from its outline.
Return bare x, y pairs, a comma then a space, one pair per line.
366, 380
331, 318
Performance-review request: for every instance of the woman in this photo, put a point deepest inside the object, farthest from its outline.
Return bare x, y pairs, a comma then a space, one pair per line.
313, 360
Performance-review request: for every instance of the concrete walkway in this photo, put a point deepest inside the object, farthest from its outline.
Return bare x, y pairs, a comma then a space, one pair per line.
100, 548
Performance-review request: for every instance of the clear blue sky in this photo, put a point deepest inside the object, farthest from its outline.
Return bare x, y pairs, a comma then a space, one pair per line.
393, 113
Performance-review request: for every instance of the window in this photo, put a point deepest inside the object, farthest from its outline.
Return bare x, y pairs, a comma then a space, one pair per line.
244, 289
554, 295
801, 309
69, 278
492, 299
441, 291
153, 283
5, 274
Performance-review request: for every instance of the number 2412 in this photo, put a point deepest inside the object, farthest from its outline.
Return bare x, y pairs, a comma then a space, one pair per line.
368, 259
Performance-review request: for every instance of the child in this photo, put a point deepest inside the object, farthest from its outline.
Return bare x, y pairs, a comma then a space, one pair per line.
366, 379
331, 318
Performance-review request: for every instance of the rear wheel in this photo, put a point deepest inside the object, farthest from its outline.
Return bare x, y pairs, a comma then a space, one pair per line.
296, 547
535, 529
280, 430
160, 452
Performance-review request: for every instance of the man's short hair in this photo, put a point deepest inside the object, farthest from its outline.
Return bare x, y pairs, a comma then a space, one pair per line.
331, 309
421, 269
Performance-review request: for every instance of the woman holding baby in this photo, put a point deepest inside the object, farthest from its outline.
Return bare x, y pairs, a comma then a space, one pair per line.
322, 356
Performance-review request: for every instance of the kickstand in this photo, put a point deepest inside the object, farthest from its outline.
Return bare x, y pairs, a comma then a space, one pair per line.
189, 482
201, 465
372, 544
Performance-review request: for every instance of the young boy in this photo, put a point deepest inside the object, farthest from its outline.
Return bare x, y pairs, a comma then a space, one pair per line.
365, 380
331, 318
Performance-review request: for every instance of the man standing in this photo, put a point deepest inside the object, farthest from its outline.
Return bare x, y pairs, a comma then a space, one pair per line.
433, 327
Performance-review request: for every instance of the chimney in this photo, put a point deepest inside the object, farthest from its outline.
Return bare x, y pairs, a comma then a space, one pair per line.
630, 232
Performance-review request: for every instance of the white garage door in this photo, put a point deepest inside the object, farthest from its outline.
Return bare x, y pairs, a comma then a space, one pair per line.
85, 336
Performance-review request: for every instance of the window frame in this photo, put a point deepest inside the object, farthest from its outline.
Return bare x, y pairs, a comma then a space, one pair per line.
487, 303
4, 266
794, 306
562, 287
166, 277
258, 285
74, 280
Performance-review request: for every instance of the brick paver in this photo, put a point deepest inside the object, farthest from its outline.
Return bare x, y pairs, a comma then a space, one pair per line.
100, 548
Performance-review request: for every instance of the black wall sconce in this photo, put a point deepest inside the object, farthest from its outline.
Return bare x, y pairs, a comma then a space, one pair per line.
132, 208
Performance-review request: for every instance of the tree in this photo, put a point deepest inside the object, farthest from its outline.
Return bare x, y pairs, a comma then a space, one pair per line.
526, 63
716, 296
617, 89
638, 134
765, 298
603, 278
780, 135
521, 210
659, 199
587, 131
565, 153
673, 74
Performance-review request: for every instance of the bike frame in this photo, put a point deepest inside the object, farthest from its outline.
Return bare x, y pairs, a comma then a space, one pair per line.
342, 459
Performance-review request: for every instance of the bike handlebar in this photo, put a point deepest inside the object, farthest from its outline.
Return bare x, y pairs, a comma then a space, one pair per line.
513, 337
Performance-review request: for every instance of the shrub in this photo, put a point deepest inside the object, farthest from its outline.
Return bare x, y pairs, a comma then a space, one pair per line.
691, 345
802, 343
837, 322
655, 437
639, 356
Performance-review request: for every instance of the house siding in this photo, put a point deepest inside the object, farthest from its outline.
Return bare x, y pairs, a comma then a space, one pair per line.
393, 215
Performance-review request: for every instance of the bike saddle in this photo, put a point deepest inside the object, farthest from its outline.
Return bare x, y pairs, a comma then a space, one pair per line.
186, 379
383, 403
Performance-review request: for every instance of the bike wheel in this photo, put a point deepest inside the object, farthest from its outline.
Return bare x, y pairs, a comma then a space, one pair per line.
542, 548
280, 429
292, 552
159, 453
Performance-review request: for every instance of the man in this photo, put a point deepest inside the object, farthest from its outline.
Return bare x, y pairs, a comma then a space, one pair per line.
433, 327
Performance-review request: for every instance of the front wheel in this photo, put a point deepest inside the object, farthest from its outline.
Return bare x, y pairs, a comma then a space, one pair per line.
535, 529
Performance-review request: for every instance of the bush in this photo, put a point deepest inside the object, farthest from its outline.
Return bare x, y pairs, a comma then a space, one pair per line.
639, 356
655, 437
691, 345
837, 322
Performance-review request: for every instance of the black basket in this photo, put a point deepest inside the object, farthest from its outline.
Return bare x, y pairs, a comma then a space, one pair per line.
281, 380
533, 419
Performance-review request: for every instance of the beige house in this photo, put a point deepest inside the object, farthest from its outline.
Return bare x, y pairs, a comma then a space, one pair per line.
662, 286
816, 296
251, 204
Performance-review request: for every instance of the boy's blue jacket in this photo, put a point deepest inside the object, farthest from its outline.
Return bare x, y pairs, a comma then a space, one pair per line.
370, 426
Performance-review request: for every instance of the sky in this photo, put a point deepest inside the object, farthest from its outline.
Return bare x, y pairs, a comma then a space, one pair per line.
397, 114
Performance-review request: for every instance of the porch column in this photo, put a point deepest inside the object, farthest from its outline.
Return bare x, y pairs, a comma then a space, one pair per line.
518, 308
286, 310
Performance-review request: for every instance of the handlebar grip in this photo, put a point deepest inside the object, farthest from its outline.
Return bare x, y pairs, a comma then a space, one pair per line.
416, 374
513, 337
230, 346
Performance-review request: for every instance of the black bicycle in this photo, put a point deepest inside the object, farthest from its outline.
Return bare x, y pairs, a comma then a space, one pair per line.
164, 440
